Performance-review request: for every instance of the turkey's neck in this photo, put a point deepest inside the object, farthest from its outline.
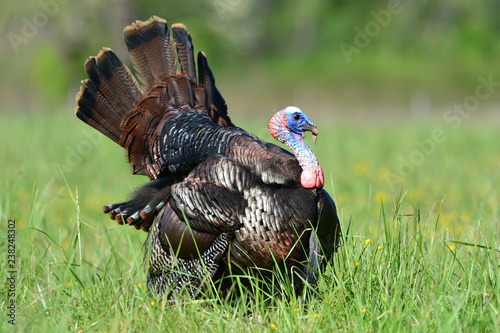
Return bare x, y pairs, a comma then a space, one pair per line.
312, 174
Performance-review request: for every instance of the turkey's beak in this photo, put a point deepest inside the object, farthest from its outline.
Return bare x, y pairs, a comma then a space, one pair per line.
313, 129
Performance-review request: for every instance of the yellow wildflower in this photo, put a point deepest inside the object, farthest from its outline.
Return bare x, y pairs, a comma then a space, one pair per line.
315, 315
152, 303
367, 241
139, 285
363, 310
273, 326
452, 247
69, 284
356, 264
380, 248
360, 169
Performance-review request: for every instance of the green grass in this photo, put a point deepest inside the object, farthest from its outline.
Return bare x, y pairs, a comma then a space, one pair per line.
432, 262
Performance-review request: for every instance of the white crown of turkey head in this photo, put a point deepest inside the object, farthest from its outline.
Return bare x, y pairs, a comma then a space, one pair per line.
288, 126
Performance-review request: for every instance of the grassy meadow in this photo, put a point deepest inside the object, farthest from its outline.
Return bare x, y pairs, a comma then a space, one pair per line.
422, 252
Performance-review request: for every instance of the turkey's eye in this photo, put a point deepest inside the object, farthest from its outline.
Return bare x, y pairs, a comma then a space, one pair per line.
296, 116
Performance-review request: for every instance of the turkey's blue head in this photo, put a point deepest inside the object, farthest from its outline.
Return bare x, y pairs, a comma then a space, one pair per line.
298, 122
288, 126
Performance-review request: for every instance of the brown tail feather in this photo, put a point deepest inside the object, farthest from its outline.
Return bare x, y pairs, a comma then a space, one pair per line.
185, 90
215, 103
114, 80
151, 50
108, 96
184, 50
93, 113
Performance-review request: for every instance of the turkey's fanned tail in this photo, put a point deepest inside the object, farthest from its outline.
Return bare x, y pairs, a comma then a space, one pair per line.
151, 50
108, 96
215, 103
184, 50
112, 102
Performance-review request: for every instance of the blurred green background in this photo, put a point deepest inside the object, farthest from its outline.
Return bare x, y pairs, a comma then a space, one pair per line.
411, 60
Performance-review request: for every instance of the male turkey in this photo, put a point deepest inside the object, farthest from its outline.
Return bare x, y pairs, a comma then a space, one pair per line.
220, 200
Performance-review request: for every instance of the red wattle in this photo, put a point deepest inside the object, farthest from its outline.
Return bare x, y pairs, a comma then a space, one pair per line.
311, 178
320, 180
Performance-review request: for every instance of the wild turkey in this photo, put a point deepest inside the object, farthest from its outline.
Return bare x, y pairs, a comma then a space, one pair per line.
221, 200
